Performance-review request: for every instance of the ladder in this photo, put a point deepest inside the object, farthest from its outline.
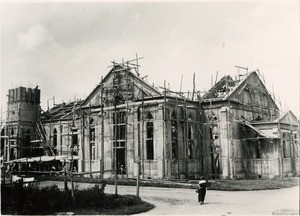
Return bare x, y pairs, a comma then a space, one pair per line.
46, 144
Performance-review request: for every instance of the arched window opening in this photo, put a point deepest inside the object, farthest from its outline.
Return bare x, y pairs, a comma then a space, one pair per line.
75, 142
12, 133
92, 140
258, 149
28, 150
214, 132
2, 140
119, 131
55, 141
139, 114
190, 137
174, 136
149, 139
284, 149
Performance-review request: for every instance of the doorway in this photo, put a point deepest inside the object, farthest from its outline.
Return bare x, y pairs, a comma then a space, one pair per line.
120, 157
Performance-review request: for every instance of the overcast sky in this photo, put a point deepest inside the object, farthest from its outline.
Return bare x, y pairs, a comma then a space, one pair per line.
65, 48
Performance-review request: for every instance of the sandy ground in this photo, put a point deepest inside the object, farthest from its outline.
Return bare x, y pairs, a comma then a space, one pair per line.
178, 201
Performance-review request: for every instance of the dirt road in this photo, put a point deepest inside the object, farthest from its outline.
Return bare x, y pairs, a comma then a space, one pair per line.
178, 201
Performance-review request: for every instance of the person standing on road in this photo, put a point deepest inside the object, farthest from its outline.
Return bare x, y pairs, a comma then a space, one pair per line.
201, 190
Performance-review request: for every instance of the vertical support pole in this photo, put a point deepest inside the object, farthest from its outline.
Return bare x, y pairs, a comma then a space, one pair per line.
72, 159
139, 152
82, 142
68, 137
138, 178
293, 155
9, 137
18, 141
230, 149
164, 159
138, 159
60, 138
185, 123
114, 149
127, 115
193, 87
72, 164
260, 155
5, 143
143, 143
65, 175
177, 126
212, 145
102, 132
181, 84
280, 154
90, 146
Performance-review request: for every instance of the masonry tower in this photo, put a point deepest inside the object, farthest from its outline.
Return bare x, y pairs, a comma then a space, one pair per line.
23, 114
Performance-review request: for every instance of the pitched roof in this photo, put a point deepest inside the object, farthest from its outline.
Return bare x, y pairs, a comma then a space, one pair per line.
118, 68
288, 114
61, 111
260, 132
227, 87
221, 89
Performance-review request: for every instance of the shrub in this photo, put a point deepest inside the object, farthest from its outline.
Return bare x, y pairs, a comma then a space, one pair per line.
51, 199
90, 197
48, 199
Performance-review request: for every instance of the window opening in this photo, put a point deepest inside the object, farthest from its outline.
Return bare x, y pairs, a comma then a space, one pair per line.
174, 136
119, 131
258, 150
149, 139
2, 140
55, 141
190, 137
28, 150
75, 142
92, 139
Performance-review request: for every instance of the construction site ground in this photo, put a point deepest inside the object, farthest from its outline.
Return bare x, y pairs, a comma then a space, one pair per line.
183, 201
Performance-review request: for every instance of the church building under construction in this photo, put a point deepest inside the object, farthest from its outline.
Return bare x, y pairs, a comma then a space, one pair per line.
125, 125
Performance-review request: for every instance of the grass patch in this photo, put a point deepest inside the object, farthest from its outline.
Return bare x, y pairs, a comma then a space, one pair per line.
33, 200
224, 185
254, 184
118, 205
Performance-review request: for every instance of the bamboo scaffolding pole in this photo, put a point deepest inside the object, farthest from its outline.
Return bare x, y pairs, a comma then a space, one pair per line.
143, 143
102, 132
90, 138
114, 149
176, 147
127, 114
193, 86
164, 162
72, 159
185, 123
139, 150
